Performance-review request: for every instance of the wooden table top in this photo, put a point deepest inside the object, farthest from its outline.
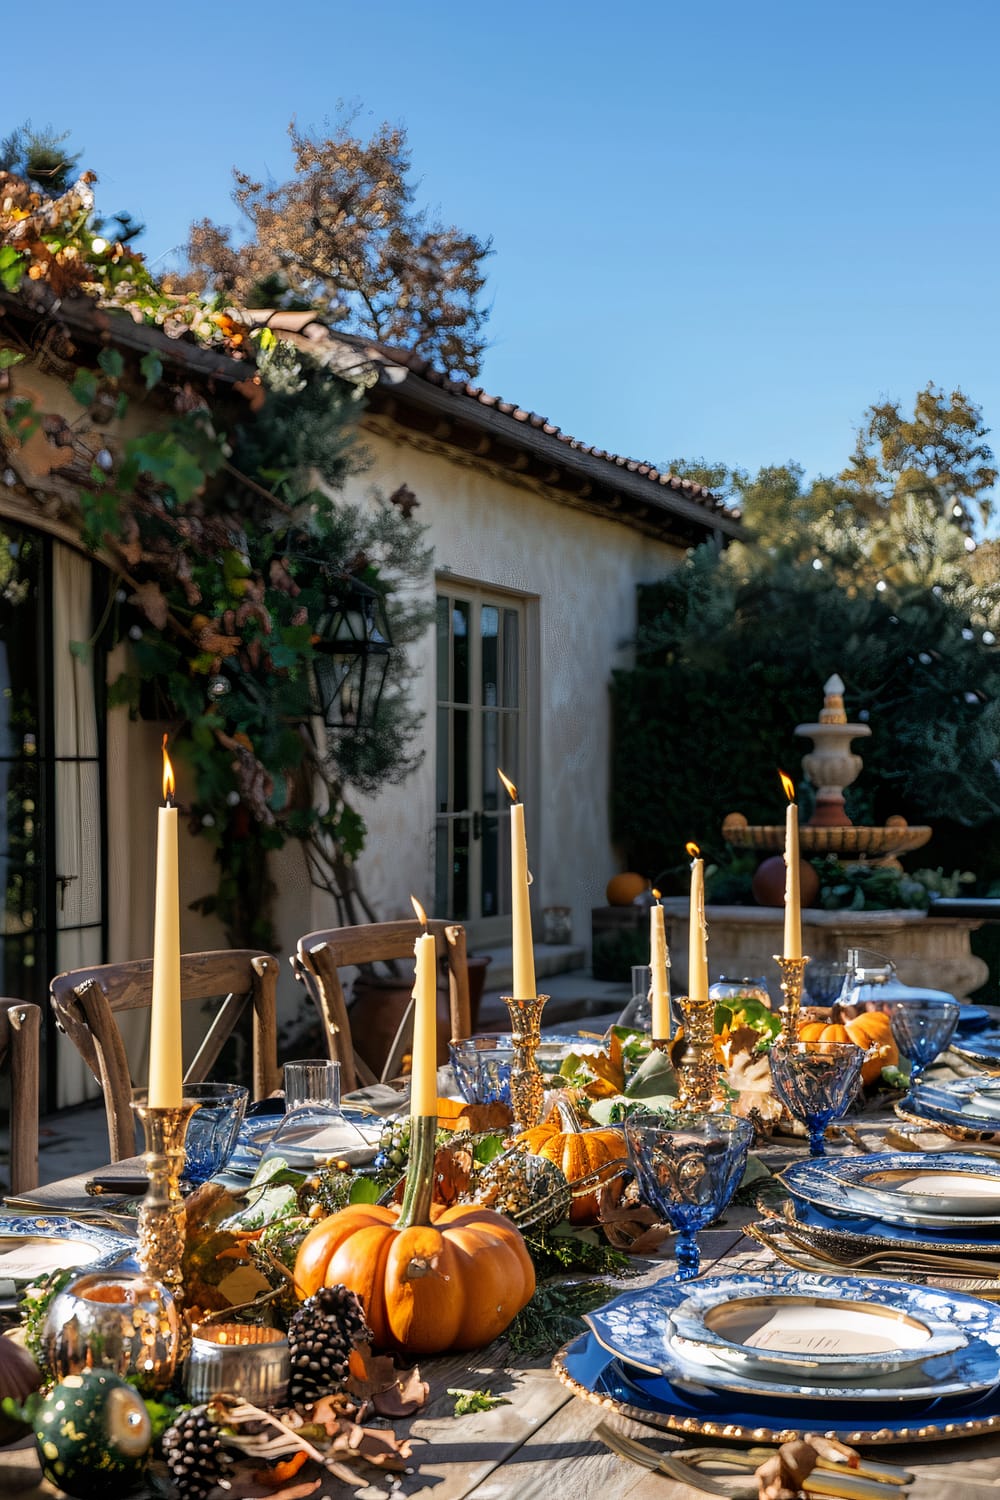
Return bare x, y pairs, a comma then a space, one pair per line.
543, 1441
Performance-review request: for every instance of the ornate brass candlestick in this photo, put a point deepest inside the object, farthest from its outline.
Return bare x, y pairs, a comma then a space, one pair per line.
699, 1076
161, 1214
527, 1086
792, 972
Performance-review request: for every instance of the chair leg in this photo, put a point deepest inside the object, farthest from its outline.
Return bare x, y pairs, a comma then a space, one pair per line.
24, 1022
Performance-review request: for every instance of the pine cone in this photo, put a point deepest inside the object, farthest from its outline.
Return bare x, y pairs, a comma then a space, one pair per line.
321, 1335
194, 1453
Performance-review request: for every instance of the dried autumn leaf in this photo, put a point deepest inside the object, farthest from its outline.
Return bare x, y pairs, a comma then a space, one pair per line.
281, 1472
408, 1395
380, 1374
750, 1076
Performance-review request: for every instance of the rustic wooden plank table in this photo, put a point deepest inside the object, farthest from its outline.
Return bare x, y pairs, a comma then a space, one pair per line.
543, 1442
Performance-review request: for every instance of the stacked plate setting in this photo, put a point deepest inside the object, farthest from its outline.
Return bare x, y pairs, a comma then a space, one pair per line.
775, 1354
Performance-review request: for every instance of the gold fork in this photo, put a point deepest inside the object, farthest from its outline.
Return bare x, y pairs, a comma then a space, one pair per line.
827, 1479
936, 1273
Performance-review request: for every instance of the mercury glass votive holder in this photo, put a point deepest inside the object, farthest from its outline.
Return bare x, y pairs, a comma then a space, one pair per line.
244, 1358
115, 1320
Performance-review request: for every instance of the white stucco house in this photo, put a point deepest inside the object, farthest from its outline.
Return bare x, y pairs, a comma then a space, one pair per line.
538, 543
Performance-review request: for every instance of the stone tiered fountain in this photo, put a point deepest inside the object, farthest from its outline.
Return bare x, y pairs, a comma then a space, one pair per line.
742, 939
831, 767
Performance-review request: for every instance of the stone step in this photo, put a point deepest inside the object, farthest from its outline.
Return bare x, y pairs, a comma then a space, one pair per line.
550, 958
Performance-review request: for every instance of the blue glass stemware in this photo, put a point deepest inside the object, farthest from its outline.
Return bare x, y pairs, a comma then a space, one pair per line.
687, 1167
815, 1081
922, 1029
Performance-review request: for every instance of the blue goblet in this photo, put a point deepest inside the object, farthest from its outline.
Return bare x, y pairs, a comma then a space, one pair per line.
815, 1081
687, 1167
922, 1029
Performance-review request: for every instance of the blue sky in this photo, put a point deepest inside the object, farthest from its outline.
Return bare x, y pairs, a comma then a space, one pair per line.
720, 229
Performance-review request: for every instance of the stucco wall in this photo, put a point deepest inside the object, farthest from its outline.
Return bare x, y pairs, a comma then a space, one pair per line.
583, 570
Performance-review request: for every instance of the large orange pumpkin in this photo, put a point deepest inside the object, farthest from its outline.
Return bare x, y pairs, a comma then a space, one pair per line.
869, 1030
431, 1278
576, 1152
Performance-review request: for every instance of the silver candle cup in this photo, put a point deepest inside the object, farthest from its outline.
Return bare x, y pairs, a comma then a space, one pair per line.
243, 1358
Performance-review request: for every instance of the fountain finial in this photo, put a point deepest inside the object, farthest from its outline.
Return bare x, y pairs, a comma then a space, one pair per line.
832, 765
833, 711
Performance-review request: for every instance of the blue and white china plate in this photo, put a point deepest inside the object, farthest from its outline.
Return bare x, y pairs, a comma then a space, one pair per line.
634, 1328
951, 1103
786, 1330
981, 1047
902, 1187
33, 1244
864, 1231
591, 1372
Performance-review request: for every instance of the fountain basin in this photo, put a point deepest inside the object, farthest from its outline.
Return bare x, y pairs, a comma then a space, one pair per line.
848, 843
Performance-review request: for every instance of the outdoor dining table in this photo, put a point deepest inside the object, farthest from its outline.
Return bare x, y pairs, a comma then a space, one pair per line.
542, 1442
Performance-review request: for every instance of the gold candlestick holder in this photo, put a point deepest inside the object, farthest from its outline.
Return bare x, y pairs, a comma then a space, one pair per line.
699, 1069
527, 1086
792, 974
162, 1219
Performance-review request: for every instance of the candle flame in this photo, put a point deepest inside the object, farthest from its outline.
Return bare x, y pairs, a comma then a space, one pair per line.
656, 894
789, 786
509, 786
693, 850
168, 774
421, 914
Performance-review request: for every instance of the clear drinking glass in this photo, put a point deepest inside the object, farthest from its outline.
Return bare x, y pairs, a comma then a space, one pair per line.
314, 1129
687, 1168
638, 1013
815, 1081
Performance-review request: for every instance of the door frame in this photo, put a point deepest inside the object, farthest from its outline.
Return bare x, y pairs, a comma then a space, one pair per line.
496, 931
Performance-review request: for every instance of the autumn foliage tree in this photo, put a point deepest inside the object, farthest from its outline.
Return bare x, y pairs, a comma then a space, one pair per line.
344, 235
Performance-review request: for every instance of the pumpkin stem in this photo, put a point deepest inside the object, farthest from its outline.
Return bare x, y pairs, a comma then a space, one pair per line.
419, 1189
568, 1118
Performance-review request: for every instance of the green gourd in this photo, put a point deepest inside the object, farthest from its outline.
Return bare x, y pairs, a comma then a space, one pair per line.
93, 1435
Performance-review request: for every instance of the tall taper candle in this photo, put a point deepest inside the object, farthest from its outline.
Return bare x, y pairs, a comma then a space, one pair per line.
166, 1088
520, 880
697, 929
423, 1069
658, 965
792, 945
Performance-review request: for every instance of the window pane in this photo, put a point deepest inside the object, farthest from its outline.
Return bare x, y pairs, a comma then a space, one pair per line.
491, 788
443, 619
511, 659
460, 793
490, 901
508, 747
489, 624
442, 760
442, 892
460, 871
460, 626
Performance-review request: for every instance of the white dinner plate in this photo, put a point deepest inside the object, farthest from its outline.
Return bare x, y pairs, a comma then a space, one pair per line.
877, 1186
786, 1331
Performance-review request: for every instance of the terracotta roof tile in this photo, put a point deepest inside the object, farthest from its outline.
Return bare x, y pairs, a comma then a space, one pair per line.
466, 390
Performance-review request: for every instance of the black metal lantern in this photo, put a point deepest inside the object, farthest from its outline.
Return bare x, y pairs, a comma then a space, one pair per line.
351, 656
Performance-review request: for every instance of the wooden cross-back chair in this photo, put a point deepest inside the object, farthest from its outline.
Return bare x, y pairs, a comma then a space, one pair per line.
20, 1028
86, 1002
320, 955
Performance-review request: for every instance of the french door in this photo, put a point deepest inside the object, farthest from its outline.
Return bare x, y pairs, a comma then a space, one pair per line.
483, 694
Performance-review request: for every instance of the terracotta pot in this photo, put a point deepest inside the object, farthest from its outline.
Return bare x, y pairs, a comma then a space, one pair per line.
379, 1004
769, 882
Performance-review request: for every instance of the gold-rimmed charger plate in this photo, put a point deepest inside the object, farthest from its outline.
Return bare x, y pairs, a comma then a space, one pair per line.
593, 1374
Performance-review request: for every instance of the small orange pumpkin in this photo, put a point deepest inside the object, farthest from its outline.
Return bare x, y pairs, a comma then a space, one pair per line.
871, 1029
431, 1278
576, 1152
621, 890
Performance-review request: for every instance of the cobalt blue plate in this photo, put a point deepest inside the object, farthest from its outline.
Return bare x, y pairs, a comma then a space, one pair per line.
951, 1103
981, 1047
865, 1185
871, 1233
597, 1376
973, 1017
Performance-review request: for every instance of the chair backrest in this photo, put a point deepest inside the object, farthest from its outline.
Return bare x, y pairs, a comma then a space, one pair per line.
85, 1002
319, 956
20, 1028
